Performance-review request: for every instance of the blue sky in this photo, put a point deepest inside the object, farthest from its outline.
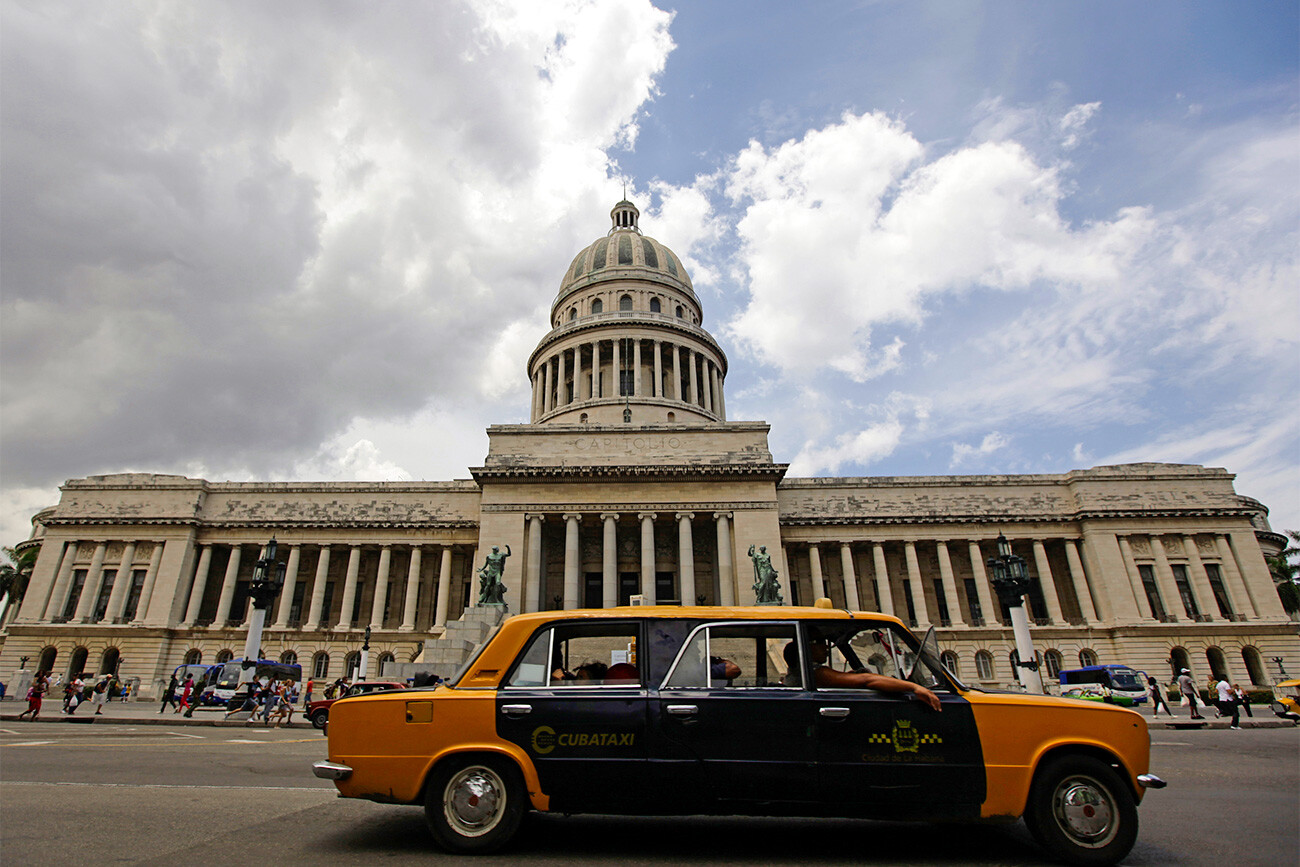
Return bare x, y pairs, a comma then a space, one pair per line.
305, 242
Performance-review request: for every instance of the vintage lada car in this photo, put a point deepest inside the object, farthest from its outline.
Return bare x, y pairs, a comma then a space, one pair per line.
737, 711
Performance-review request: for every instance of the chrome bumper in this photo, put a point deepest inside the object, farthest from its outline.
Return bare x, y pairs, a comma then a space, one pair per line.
335, 771
1147, 781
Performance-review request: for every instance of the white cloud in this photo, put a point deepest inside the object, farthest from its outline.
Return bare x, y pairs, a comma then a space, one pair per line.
962, 452
861, 448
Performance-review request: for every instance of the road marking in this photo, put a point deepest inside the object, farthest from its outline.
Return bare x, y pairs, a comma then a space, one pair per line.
9, 731
331, 791
183, 735
1169, 744
30, 744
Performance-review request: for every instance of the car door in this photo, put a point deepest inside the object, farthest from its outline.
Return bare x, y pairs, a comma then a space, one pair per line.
586, 735
742, 733
891, 753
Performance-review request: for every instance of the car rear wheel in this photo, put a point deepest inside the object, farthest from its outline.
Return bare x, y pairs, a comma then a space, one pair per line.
320, 718
1082, 812
474, 803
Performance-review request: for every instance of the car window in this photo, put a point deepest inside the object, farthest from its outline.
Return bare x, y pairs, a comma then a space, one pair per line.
580, 654
737, 656
885, 649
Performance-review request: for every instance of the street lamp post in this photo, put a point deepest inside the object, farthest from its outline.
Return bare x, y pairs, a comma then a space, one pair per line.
365, 656
1281, 672
268, 578
1011, 582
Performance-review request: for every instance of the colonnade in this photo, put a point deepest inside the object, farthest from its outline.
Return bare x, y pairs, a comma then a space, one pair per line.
575, 374
132, 584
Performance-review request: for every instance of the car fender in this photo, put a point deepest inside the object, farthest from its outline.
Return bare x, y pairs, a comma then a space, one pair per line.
512, 752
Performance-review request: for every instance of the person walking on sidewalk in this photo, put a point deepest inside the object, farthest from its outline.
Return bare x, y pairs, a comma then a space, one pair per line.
169, 694
1227, 702
1157, 697
186, 689
100, 694
1188, 690
40, 686
1242, 699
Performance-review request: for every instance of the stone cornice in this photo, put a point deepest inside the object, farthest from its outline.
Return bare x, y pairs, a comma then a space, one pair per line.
289, 523
1007, 517
652, 471
627, 508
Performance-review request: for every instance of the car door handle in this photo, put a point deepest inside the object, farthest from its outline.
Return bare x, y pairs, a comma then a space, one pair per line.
682, 710
834, 712
516, 709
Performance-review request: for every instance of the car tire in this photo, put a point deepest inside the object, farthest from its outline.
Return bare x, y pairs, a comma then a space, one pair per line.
1082, 812
474, 804
320, 719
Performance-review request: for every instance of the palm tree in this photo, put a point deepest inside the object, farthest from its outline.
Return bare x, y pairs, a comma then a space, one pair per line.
15, 575
1286, 573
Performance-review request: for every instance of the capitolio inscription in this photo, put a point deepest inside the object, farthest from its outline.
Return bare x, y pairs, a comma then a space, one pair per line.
625, 444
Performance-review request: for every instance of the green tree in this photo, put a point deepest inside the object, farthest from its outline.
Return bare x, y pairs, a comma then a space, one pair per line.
15, 574
1285, 569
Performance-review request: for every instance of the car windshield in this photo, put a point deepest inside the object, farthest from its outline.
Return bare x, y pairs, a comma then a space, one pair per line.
1125, 678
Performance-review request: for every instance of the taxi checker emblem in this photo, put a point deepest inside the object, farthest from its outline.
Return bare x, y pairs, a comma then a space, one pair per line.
543, 740
905, 738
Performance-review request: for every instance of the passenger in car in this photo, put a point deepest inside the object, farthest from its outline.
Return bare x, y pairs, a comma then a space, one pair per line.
826, 677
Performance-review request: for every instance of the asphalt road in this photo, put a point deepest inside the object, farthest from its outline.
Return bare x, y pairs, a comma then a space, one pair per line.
199, 795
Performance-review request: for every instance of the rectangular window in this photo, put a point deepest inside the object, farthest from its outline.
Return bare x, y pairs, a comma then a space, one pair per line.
1220, 592
105, 592
1185, 591
666, 589
973, 601
624, 382
907, 596
1153, 593
133, 600
74, 595
295, 608
737, 656
942, 599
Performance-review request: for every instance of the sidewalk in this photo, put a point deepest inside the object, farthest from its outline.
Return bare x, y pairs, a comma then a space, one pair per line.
137, 713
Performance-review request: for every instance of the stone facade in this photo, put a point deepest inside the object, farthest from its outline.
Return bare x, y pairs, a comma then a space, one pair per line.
630, 481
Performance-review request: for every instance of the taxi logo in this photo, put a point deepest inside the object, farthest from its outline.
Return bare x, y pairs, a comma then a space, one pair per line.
543, 740
905, 738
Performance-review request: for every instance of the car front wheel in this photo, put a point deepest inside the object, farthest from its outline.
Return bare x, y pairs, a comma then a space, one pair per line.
474, 803
320, 718
1082, 812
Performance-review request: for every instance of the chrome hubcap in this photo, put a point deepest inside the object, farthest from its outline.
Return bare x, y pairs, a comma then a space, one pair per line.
474, 800
1085, 811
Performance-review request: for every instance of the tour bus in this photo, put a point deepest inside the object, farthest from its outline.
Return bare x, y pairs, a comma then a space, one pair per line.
201, 672
1118, 684
223, 677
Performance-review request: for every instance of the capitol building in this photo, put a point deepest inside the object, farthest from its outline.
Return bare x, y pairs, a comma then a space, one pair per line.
629, 479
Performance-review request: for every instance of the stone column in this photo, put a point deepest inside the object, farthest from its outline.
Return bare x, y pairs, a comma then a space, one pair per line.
658, 390
609, 560
350, 588
380, 602
412, 595
721, 401
571, 564
692, 388
1047, 583
228, 587
886, 595
150, 579
1165, 580
90, 590
315, 614
676, 374
561, 377
1134, 579
62, 585
1255, 575
726, 565
1237, 591
918, 589
1104, 563
533, 578
706, 377
536, 390
122, 586
951, 599
647, 556
290, 585
636, 367
815, 568
686, 557
1200, 581
982, 587
1080, 580
851, 599
614, 371
546, 386
198, 587
595, 369
444, 588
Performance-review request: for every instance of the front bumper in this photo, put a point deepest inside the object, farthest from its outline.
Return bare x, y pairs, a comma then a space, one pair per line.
332, 770
1147, 781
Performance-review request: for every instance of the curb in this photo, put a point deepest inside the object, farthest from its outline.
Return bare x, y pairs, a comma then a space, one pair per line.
162, 720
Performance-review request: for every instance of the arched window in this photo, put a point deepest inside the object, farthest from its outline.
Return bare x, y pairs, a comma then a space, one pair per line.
385, 659
352, 664
679, 311
1218, 665
573, 313
289, 657
48, 655
1254, 665
949, 660
1052, 660
193, 656
625, 303
984, 665
77, 662
1179, 659
672, 416
583, 418
320, 665
1087, 656
655, 307
225, 655
597, 306
108, 662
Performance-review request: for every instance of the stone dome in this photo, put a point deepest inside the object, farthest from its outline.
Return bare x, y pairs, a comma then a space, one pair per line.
625, 253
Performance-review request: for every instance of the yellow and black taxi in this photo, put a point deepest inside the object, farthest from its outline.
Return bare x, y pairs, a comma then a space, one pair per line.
737, 711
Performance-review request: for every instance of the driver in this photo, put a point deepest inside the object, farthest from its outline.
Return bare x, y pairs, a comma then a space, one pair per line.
826, 677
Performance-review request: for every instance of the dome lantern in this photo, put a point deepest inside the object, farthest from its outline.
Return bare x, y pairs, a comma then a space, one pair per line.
625, 216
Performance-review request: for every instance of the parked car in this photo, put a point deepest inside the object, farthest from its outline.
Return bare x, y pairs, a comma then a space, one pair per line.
1286, 699
724, 711
319, 711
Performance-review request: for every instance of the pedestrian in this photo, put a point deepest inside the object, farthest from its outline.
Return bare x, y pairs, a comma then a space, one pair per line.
1242, 699
1227, 702
1157, 694
1188, 690
169, 694
100, 694
187, 688
40, 686
270, 698
249, 702
311, 684
72, 694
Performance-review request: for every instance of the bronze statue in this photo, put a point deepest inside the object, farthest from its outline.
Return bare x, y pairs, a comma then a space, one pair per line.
490, 589
767, 589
